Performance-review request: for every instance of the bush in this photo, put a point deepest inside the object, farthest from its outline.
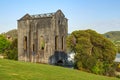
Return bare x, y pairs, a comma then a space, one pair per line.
12, 52
4, 44
94, 53
98, 68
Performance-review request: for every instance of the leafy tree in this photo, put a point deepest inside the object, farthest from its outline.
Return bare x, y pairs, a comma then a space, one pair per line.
8, 49
12, 52
117, 43
4, 44
94, 53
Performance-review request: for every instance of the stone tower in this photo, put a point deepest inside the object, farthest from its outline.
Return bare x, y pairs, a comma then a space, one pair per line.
42, 38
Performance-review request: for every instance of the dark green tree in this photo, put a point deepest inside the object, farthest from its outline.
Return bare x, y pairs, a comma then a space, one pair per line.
94, 53
12, 52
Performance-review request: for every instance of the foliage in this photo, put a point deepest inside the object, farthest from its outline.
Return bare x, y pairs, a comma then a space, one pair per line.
14, 70
8, 48
117, 43
98, 68
4, 44
114, 36
12, 52
94, 53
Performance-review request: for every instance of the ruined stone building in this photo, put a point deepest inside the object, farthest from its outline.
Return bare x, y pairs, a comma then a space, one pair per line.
42, 37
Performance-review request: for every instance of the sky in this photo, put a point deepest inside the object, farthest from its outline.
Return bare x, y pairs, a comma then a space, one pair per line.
99, 15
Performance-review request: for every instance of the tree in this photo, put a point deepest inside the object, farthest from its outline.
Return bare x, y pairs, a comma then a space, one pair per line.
12, 52
117, 43
94, 53
4, 44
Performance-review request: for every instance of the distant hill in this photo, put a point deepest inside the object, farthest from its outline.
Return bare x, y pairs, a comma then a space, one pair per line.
11, 33
113, 35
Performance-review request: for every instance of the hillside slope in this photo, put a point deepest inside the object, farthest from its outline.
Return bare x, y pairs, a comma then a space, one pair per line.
12, 33
13, 70
113, 35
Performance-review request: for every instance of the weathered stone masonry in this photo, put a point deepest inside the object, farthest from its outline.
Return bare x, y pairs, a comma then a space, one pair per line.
42, 38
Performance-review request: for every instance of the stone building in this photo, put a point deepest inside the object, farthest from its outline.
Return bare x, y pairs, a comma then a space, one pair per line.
42, 38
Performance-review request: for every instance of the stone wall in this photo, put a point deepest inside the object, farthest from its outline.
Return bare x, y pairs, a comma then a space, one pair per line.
42, 39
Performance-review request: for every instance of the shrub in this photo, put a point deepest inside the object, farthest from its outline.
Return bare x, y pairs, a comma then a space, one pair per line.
12, 52
94, 53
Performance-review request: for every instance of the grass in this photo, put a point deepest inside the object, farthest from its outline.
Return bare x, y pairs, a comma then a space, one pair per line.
14, 70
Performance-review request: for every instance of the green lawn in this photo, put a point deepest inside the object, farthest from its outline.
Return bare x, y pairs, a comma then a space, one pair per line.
14, 70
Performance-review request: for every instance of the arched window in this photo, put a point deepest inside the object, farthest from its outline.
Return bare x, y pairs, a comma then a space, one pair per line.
56, 42
33, 47
62, 42
25, 42
42, 43
58, 21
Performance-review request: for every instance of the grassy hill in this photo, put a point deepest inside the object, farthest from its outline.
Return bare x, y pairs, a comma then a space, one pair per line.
13, 70
113, 35
12, 33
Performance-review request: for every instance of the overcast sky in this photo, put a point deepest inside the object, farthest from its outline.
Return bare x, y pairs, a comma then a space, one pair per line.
99, 15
